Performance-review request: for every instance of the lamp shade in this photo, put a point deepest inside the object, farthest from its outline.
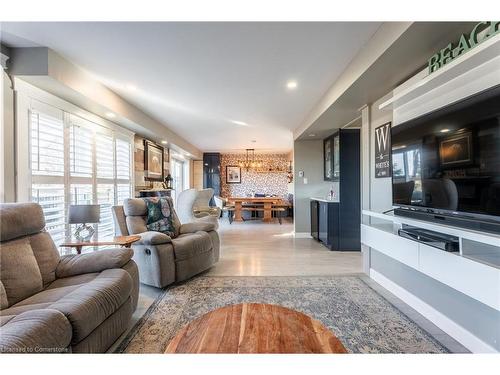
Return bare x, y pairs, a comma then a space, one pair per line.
84, 213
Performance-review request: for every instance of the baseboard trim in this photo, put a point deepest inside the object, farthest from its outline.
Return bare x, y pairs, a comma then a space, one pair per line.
302, 235
467, 339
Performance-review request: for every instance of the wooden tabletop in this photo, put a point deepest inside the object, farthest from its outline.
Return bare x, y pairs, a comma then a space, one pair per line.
124, 241
254, 199
255, 328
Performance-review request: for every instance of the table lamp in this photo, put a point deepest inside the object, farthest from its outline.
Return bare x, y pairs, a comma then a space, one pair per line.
84, 214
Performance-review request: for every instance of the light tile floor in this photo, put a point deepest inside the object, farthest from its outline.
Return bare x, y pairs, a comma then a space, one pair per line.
254, 248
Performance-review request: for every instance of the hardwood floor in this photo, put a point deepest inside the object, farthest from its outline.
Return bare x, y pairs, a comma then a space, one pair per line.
253, 328
254, 248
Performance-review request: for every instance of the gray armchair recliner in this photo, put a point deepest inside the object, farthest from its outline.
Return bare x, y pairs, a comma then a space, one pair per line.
48, 303
162, 259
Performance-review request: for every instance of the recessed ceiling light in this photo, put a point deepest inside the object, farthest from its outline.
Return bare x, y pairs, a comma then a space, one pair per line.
242, 123
164, 142
291, 85
254, 141
110, 115
444, 130
312, 135
131, 87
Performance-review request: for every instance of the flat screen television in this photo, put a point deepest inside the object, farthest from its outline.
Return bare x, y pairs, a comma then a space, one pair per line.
447, 162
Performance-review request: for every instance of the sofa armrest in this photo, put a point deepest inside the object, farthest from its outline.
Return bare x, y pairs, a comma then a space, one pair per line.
36, 331
152, 238
71, 265
204, 226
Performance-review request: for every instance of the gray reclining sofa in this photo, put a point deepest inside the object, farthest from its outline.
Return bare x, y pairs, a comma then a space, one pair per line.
48, 303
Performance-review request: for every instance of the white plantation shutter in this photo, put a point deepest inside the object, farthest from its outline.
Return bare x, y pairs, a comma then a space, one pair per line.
106, 199
51, 198
47, 167
122, 193
81, 194
47, 145
81, 145
123, 160
105, 156
76, 161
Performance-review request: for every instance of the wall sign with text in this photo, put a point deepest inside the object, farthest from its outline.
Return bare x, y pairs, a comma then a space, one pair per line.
480, 33
383, 151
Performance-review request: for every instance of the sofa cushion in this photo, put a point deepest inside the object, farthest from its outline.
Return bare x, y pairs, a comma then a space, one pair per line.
135, 210
153, 238
17, 256
135, 207
205, 226
54, 292
88, 306
4, 303
136, 224
189, 245
20, 219
37, 331
78, 264
73, 280
46, 254
160, 215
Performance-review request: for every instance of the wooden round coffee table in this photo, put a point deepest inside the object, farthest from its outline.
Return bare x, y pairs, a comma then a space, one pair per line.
255, 328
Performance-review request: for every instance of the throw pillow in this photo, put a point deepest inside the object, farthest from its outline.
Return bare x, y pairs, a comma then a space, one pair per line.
160, 215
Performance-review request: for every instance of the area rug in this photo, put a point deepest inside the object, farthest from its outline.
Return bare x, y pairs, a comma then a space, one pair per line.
362, 319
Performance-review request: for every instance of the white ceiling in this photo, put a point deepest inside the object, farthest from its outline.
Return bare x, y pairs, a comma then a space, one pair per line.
198, 77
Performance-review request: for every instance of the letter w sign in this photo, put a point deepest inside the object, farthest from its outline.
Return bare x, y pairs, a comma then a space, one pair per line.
383, 151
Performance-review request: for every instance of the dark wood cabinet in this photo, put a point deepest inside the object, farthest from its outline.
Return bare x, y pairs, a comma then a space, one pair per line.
339, 222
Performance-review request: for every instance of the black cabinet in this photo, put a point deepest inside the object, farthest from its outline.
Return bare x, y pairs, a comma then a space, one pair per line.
211, 172
327, 217
339, 222
331, 157
314, 219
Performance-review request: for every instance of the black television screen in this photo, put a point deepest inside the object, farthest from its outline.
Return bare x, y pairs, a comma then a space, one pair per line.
449, 160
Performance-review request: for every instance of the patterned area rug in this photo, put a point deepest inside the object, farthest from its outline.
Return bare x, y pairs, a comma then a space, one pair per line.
362, 319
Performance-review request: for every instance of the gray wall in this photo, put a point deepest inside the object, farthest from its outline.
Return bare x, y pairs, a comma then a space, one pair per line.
308, 157
381, 188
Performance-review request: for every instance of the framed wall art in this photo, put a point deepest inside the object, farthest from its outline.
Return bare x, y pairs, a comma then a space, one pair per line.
153, 161
233, 174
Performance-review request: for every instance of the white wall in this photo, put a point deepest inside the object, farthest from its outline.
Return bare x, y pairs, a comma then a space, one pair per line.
7, 167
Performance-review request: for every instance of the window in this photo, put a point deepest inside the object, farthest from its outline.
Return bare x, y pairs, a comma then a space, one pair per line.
178, 176
76, 161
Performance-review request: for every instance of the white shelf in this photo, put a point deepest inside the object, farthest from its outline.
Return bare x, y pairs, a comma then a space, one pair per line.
486, 51
468, 276
486, 238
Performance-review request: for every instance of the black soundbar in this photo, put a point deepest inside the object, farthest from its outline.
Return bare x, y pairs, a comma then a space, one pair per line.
439, 240
462, 222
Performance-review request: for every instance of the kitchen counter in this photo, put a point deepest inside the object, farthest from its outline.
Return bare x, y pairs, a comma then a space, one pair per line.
324, 200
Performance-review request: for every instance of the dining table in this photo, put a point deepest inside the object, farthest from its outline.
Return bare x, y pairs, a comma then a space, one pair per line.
267, 203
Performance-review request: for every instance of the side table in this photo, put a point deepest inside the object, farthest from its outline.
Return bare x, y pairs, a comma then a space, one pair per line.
123, 241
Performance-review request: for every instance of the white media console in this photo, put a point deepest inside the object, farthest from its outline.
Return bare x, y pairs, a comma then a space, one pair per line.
474, 271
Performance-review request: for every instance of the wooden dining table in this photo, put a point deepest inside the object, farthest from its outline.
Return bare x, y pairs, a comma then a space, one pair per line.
267, 202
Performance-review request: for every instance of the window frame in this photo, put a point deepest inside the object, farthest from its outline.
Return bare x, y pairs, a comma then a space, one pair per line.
31, 99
